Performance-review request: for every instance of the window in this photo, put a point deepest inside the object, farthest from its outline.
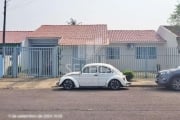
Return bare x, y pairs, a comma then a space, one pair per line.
103, 69
146, 53
92, 69
113, 53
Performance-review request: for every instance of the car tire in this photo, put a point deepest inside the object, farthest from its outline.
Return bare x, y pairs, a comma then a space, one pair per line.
175, 83
114, 84
68, 84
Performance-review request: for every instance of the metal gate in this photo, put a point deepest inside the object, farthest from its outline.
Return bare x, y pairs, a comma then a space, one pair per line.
30, 62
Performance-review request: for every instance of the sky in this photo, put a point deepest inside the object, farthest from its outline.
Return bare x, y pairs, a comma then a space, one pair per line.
117, 14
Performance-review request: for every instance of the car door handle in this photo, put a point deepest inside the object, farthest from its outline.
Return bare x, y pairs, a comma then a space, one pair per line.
95, 75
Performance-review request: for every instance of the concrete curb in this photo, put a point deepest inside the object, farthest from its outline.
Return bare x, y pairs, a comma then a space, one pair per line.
143, 86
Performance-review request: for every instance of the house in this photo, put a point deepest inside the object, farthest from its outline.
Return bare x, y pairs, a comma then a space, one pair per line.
13, 38
52, 50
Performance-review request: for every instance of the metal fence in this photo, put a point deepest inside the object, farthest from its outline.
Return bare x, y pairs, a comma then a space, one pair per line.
55, 61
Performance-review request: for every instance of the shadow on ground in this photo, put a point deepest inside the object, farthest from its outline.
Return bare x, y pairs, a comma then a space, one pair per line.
161, 89
88, 89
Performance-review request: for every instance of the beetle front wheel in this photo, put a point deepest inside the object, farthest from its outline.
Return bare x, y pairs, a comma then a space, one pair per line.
68, 84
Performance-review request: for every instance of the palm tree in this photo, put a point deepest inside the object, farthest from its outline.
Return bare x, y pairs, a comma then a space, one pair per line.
73, 22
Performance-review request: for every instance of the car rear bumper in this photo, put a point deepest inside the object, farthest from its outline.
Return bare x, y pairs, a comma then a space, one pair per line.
128, 84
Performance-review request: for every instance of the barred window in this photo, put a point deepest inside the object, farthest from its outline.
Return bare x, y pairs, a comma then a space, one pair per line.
112, 53
146, 53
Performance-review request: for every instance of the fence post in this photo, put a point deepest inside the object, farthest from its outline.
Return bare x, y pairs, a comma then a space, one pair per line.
146, 65
54, 62
1, 65
15, 62
3, 58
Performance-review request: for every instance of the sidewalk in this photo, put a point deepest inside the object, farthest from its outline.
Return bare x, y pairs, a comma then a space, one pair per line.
143, 83
48, 83
27, 83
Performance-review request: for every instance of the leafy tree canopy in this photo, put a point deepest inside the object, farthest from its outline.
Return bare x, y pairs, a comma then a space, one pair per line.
175, 16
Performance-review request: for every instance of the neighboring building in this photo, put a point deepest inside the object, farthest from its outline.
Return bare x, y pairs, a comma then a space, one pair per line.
13, 38
171, 34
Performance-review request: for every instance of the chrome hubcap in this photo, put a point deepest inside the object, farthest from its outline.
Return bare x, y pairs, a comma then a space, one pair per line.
68, 84
115, 84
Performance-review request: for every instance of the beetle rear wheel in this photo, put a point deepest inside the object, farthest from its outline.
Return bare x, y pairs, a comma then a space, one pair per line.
68, 84
114, 84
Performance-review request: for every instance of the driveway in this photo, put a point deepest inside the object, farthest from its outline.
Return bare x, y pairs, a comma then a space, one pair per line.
27, 83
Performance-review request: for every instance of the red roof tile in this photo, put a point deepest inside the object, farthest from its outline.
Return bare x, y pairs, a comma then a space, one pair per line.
134, 36
14, 36
84, 35
74, 34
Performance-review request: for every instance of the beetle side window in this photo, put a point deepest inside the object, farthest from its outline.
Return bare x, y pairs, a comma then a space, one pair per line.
103, 69
92, 69
86, 70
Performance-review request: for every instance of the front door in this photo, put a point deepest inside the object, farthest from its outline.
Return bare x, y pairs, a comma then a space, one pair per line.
89, 76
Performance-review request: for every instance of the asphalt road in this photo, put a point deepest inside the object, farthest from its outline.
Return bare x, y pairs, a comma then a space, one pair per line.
135, 103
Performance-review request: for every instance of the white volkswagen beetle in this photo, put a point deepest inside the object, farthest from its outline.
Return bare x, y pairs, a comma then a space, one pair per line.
94, 75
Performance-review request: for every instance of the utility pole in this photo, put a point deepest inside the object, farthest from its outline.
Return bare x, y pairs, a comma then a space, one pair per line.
4, 24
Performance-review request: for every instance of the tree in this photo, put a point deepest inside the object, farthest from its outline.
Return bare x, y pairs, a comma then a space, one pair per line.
73, 22
174, 18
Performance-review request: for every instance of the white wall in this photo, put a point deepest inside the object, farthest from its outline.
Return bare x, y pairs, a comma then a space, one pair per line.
66, 59
168, 36
25, 43
128, 60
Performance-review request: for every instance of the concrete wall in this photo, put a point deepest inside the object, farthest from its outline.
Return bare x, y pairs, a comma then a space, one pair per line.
25, 43
129, 61
168, 36
74, 57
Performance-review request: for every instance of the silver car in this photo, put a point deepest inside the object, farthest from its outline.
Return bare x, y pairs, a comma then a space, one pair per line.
169, 78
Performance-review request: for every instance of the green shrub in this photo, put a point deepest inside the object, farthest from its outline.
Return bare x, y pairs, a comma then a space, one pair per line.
129, 74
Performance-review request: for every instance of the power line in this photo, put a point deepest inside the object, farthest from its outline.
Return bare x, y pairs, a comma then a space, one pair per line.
18, 5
